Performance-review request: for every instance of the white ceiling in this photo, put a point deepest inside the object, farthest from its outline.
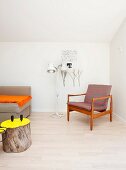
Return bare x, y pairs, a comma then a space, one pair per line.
60, 20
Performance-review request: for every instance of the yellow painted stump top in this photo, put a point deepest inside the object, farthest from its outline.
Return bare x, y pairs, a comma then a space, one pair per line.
16, 123
2, 130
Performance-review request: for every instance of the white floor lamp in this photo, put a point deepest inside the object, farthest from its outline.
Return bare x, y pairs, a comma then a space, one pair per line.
53, 69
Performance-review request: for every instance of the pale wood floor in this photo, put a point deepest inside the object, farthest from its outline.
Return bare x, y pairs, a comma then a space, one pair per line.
59, 145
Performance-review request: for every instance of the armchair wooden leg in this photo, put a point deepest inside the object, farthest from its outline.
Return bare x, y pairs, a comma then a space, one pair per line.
111, 109
91, 123
110, 117
68, 113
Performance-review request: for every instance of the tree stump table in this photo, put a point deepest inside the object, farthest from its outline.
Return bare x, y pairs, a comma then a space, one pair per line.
17, 137
2, 130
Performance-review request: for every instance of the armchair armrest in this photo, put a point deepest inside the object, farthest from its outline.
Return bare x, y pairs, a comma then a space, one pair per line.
102, 98
71, 95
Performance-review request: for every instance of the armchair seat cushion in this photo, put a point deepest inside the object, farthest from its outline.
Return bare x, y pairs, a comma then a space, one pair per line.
87, 106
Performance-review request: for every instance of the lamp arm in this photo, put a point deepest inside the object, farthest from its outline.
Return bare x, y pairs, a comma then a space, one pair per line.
60, 65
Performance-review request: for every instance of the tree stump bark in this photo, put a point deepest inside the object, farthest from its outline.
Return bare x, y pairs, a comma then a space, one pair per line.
17, 139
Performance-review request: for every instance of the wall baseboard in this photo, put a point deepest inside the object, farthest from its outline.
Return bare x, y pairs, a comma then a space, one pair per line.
64, 112
121, 118
46, 111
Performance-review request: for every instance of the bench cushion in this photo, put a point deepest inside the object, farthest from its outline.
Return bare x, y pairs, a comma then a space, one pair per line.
12, 107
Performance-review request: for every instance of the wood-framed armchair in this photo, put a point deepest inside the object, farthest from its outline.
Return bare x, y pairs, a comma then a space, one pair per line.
95, 103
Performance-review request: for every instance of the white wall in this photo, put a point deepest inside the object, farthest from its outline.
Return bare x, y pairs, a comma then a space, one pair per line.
118, 70
26, 64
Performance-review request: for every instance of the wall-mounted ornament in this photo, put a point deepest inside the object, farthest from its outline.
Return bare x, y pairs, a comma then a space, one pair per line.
68, 67
69, 59
75, 75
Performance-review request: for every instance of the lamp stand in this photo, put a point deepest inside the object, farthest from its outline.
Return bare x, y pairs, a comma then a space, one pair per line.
57, 114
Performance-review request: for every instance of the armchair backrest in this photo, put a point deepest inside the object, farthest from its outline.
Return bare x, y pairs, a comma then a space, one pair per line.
97, 91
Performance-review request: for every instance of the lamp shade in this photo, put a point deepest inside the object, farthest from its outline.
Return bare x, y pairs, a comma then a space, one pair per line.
51, 68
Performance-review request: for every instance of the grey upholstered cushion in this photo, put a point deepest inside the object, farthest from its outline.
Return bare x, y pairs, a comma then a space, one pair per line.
15, 90
12, 107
